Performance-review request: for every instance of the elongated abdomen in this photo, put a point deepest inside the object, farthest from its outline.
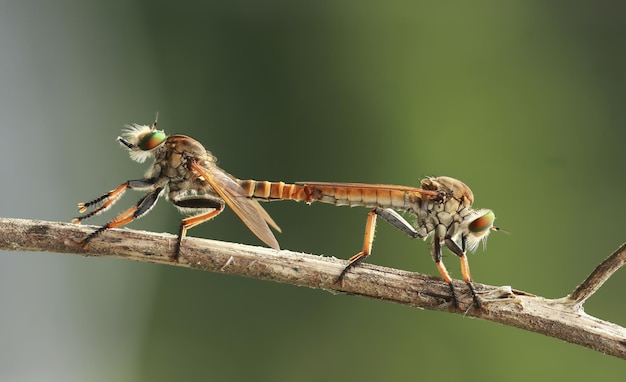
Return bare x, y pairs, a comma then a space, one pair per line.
364, 196
340, 195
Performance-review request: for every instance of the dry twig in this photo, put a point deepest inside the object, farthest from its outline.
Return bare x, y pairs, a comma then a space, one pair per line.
560, 318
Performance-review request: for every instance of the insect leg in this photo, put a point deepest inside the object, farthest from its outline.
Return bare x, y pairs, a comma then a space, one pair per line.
438, 237
465, 271
370, 227
142, 207
105, 201
396, 220
198, 202
393, 218
215, 207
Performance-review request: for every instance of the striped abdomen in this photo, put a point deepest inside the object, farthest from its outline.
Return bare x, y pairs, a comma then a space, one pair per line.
353, 195
277, 191
365, 196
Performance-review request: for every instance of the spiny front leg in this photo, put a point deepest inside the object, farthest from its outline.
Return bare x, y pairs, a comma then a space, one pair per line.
105, 201
142, 207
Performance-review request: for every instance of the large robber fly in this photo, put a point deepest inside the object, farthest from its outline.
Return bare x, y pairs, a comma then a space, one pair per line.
187, 174
442, 206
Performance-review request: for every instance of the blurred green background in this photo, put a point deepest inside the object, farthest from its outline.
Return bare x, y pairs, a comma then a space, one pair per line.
524, 101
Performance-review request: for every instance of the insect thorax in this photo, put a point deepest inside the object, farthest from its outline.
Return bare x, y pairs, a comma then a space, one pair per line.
443, 209
172, 167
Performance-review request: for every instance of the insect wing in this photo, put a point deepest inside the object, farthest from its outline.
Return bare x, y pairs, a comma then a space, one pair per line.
248, 210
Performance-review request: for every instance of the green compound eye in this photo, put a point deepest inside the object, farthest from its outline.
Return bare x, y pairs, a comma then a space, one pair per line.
151, 140
483, 223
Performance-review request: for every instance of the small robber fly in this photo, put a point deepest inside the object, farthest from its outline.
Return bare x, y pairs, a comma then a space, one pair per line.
442, 206
187, 174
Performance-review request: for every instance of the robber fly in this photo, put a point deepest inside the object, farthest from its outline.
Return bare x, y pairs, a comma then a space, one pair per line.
187, 174
442, 206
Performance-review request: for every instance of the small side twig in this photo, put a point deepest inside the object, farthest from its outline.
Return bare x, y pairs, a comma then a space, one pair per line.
559, 318
598, 277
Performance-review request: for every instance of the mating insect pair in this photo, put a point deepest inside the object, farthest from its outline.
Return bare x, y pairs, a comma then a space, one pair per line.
187, 174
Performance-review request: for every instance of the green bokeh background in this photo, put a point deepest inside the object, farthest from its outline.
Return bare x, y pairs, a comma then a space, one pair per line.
524, 101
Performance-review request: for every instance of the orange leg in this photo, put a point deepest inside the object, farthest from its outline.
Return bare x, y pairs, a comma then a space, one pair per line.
437, 257
370, 228
141, 208
467, 277
465, 270
444, 272
191, 222
109, 199
122, 219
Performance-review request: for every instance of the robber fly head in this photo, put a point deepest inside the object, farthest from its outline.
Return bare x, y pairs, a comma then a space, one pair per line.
142, 140
478, 225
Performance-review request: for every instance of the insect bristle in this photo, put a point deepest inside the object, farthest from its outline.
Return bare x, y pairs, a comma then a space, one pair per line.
133, 133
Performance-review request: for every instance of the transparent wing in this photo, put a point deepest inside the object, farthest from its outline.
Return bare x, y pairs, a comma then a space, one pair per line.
248, 210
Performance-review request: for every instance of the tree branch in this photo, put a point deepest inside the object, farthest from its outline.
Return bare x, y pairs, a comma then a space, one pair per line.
560, 318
